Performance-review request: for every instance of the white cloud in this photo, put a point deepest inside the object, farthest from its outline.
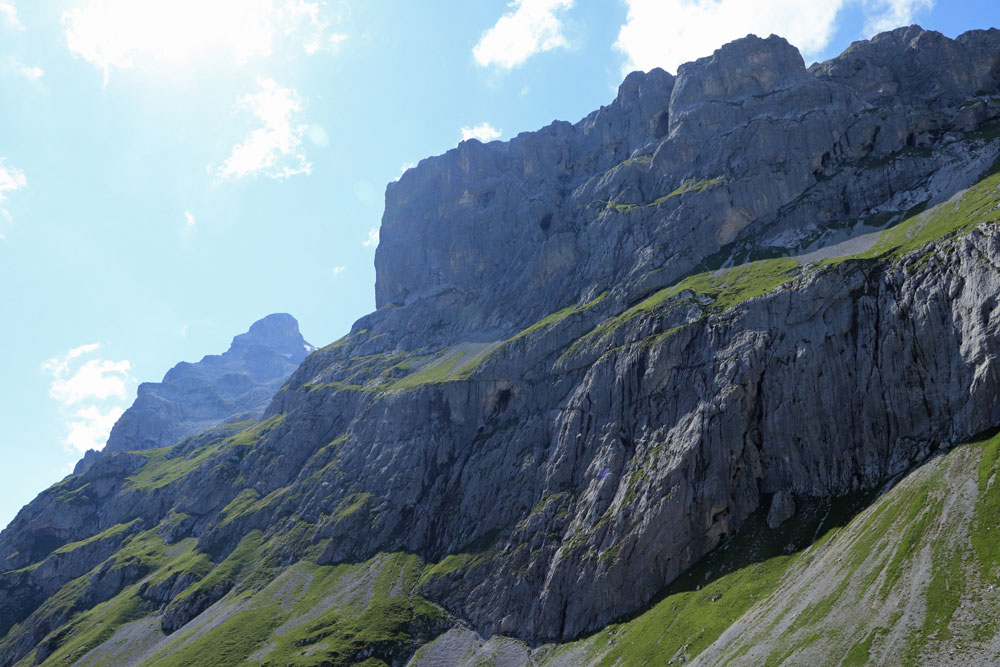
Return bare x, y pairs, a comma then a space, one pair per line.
189, 218
119, 34
90, 427
667, 33
275, 149
9, 13
530, 27
73, 382
484, 132
881, 15
11, 180
337, 270
88, 391
404, 168
372, 239
331, 43
26, 71
58, 366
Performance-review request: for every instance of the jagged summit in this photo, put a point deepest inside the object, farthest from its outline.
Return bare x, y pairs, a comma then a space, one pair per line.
238, 383
486, 238
910, 63
746, 67
278, 332
720, 306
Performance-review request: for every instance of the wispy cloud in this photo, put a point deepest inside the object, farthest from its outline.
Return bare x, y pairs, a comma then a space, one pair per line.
189, 218
337, 270
93, 379
667, 33
120, 34
883, 15
372, 239
406, 166
11, 180
331, 43
530, 27
484, 132
9, 13
90, 427
275, 149
32, 73
89, 391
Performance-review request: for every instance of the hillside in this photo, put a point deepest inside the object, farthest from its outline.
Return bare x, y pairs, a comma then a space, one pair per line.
685, 380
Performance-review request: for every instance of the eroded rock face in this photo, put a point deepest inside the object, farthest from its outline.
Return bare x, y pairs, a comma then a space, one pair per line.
573, 468
192, 397
607, 473
472, 238
781, 510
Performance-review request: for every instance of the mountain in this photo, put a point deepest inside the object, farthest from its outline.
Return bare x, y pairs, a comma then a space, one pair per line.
682, 382
238, 384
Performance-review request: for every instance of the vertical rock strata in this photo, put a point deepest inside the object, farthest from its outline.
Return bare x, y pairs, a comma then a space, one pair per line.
192, 397
577, 383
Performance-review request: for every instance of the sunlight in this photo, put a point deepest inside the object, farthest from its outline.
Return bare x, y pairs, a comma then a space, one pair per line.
127, 33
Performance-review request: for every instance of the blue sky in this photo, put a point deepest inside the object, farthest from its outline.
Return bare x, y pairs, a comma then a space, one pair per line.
171, 171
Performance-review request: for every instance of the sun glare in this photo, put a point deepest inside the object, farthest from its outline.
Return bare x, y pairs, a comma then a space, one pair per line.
118, 34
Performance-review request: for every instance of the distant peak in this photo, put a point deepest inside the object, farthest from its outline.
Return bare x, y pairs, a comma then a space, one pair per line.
279, 331
275, 325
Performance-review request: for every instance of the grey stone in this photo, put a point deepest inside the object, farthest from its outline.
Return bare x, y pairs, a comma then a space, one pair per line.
587, 462
192, 397
782, 509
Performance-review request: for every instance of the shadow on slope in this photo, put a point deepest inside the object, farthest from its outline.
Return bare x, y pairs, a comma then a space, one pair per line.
894, 576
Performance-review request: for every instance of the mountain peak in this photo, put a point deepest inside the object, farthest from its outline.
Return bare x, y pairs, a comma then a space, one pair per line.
668, 341
195, 396
742, 68
278, 331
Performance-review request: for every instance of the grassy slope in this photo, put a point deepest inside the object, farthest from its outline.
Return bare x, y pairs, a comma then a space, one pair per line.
727, 288
307, 614
718, 291
164, 466
714, 596
297, 619
911, 577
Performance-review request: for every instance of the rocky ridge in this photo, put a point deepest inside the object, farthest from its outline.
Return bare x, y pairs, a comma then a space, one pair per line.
541, 454
192, 397
780, 158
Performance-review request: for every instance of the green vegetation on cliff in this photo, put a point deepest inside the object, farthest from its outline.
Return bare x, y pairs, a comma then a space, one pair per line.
914, 573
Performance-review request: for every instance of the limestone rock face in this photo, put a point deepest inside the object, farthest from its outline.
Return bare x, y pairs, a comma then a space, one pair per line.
782, 509
910, 64
578, 382
744, 153
192, 397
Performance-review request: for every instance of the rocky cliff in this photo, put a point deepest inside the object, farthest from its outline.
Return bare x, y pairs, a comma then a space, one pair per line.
743, 154
237, 384
603, 354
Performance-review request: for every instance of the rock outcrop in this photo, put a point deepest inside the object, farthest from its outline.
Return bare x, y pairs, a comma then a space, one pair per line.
237, 384
577, 384
779, 156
